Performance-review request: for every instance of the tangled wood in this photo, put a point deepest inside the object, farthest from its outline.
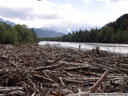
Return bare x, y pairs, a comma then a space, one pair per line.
31, 70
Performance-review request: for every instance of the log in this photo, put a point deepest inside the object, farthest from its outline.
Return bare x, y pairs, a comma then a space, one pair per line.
11, 91
2, 95
52, 67
76, 68
102, 78
5, 89
109, 68
123, 65
62, 81
3, 57
14, 65
94, 87
41, 78
75, 81
74, 63
79, 94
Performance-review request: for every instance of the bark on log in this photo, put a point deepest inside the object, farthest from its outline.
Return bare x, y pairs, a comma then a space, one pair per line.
47, 67
77, 68
94, 87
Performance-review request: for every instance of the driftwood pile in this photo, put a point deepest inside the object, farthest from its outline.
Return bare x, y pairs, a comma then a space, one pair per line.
31, 70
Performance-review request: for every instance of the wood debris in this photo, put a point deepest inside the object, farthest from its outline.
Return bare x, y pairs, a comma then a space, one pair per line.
29, 70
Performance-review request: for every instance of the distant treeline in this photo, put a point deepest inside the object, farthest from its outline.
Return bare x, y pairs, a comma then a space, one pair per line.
114, 32
17, 34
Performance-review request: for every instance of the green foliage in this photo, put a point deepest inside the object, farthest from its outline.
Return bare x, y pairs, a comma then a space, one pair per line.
18, 34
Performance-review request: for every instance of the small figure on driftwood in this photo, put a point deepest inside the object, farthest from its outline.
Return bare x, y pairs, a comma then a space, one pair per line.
79, 46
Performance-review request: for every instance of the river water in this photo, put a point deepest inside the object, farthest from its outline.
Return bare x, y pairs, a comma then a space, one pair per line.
115, 48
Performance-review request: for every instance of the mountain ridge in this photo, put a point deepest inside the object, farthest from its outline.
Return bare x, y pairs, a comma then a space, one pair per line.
113, 32
41, 33
8, 22
120, 23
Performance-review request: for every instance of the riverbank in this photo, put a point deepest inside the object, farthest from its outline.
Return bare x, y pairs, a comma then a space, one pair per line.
31, 69
113, 48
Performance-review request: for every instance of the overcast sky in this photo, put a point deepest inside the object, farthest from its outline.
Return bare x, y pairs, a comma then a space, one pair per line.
62, 13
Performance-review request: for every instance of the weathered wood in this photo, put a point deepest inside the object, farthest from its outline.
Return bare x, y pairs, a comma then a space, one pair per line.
4, 89
109, 68
62, 81
47, 67
14, 65
41, 78
79, 94
93, 88
102, 78
2, 95
38, 69
76, 68
11, 91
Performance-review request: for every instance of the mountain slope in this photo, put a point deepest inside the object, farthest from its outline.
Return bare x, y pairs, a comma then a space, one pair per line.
113, 32
8, 22
41, 33
121, 23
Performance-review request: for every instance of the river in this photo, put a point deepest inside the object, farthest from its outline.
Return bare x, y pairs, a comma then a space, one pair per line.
114, 48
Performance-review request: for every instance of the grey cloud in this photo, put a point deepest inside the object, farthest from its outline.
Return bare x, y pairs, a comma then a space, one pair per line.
114, 1
24, 14
48, 16
14, 13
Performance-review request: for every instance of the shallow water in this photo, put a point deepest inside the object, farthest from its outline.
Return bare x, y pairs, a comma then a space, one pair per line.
115, 48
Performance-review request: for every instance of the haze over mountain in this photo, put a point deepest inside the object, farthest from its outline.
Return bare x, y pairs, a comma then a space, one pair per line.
40, 32
71, 28
54, 31
62, 14
8, 22
43, 33
113, 32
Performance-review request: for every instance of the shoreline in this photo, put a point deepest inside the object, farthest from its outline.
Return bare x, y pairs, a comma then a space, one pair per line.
84, 49
112, 48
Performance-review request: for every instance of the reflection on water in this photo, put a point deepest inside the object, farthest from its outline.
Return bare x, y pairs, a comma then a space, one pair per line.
116, 48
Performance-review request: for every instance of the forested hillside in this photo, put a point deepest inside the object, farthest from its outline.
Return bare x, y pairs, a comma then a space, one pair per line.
113, 32
16, 34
